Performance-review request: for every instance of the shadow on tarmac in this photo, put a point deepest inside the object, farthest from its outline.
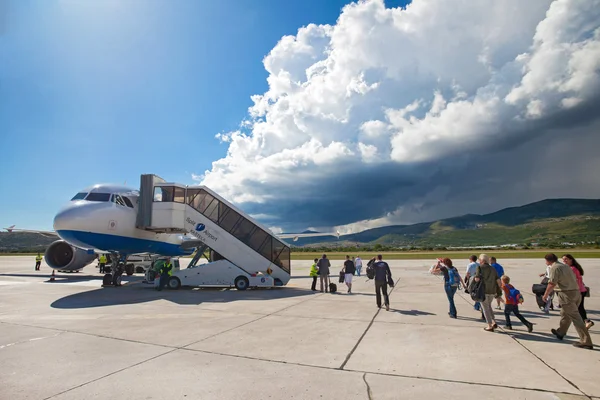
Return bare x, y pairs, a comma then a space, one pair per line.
138, 293
414, 313
74, 277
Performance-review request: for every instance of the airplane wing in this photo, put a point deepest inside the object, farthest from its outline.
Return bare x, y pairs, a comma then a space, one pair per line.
296, 236
191, 243
12, 228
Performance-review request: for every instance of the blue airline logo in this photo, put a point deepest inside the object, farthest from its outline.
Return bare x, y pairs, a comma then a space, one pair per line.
200, 227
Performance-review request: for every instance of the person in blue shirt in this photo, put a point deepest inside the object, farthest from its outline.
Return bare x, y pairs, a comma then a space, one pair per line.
500, 272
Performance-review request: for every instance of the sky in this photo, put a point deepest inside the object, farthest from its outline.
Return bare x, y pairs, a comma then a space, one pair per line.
309, 114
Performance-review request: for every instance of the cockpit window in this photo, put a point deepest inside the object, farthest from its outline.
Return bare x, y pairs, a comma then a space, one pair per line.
128, 202
98, 197
119, 200
79, 196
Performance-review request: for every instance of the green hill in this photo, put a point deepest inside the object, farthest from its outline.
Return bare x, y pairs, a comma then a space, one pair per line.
24, 242
547, 221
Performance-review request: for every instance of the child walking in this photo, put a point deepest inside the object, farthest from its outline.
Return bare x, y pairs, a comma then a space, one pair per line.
512, 304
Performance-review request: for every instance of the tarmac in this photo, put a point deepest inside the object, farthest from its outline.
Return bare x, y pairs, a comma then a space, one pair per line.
73, 339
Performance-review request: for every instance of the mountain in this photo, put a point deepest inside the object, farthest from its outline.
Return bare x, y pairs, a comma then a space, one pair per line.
546, 221
24, 242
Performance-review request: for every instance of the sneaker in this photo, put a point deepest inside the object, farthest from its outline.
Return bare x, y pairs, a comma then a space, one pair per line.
498, 308
509, 327
387, 307
530, 327
555, 333
583, 346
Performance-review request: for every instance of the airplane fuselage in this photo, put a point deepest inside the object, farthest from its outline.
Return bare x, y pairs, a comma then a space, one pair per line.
104, 218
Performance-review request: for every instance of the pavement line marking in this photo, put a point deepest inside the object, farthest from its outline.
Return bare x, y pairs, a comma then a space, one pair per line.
366, 330
109, 374
173, 348
369, 393
545, 363
29, 340
382, 373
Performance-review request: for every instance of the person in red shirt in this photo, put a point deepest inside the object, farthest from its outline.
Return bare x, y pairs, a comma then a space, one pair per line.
512, 305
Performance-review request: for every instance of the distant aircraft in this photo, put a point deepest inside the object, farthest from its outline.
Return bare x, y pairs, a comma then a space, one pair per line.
102, 218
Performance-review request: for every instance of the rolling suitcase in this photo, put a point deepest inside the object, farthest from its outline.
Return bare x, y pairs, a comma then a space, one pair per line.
332, 287
341, 280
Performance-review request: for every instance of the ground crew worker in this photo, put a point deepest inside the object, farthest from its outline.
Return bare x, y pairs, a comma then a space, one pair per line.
102, 263
314, 272
165, 273
38, 262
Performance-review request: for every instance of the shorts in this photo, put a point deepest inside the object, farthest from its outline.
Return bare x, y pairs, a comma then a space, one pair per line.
348, 278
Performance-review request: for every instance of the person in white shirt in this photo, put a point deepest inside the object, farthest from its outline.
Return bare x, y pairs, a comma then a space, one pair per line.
358, 265
549, 306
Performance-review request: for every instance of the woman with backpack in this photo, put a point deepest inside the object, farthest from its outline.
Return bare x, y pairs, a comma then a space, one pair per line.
578, 271
452, 281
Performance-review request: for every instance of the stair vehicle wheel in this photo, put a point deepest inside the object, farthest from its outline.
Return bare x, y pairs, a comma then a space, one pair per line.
107, 280
241, 283
129, 269
174, 283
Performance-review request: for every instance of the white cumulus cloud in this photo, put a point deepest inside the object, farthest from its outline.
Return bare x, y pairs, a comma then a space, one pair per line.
373, 118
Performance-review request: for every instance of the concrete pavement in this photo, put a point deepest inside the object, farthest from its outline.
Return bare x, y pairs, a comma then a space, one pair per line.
72, 339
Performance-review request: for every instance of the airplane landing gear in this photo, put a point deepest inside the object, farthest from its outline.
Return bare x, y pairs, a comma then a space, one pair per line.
129, 269
117, 268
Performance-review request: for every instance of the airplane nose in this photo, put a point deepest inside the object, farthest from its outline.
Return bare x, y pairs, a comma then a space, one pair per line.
67, 219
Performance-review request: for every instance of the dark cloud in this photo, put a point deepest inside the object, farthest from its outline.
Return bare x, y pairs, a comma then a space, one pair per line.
558, 159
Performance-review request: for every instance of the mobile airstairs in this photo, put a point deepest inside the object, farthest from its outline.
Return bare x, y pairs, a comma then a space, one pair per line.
243, 254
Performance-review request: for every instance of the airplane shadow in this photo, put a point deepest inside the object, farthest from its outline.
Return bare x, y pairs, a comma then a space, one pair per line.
62, 278
142, 293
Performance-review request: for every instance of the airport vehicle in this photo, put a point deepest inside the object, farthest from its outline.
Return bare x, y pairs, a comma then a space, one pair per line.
166, 219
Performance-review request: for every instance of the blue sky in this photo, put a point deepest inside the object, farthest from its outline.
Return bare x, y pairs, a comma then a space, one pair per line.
102, 91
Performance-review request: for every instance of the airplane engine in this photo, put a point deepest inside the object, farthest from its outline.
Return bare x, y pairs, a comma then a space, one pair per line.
62, 256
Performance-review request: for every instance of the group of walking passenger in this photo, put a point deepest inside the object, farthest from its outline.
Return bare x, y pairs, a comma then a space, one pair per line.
485, 281
377, 269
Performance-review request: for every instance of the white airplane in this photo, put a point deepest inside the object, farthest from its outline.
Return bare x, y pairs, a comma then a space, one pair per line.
102, 218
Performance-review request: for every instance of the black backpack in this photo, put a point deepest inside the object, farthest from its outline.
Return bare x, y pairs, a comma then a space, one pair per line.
332, 287
477, 290
370, 270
